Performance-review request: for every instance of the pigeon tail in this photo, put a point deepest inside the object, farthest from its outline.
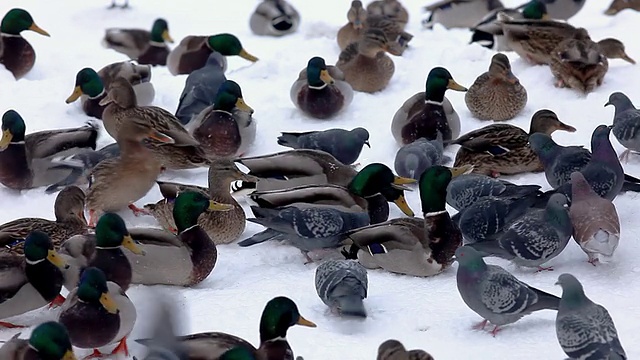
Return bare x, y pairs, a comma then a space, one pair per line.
263, 236
630, 186
289, 140
545, 301
349, 305
491, 248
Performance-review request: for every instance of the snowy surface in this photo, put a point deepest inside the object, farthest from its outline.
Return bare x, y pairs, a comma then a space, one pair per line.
422, 313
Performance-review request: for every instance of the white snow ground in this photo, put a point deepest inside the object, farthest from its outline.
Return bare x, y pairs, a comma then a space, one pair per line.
422, 313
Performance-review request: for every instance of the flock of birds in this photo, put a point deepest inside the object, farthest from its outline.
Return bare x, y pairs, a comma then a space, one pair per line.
312, 196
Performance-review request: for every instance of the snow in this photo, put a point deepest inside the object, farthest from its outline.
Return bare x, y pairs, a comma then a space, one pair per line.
422, 313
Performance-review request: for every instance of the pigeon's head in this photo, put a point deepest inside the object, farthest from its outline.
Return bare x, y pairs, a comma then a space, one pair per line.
543, 145
600, 137
620, 101
362, 134
469, 257
571, 287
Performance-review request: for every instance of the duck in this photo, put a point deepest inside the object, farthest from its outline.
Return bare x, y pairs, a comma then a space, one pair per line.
618, 5
563, 9
226, 128
279, 314
49, 340
146, 47
360, 20
412, 246
70, 221
17, 55
458, 13
496, 94
392, 9
116, 183
192, 52
222, 227
184, 152
428, 113
274, 18
365, 65
369, 190
201, 88
101, 306
91, 86
320, 90
503, 148
614, 49
25, 160
32, 281
578, 63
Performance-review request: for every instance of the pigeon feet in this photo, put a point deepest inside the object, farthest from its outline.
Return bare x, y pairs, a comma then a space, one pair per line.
495, 330
624, 157
9, 325
59, 300
138, 211
481, 325
593, 261
542, 268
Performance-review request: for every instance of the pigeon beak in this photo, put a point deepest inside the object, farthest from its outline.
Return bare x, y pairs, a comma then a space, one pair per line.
610, 127
367, 143
607, 104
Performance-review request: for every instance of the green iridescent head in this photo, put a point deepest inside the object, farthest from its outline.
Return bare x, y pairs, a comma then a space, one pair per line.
17, 21
51, 341
229, 45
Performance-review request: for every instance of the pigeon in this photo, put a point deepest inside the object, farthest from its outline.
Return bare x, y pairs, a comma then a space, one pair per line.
394, 350
466, 189
414, 158
341, 285
533, 239
596, 226
344, 145
494, 293
585, 329
201, 88
626, 123
164, 345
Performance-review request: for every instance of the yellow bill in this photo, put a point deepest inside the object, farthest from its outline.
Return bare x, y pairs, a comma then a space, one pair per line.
240, 104
453, 85
56, 260
399, 180
7, 136
69, 355
460, 170
167, 37
77, 92
401, 202
108, 304
129, 244
304, 322
216, 206
325, 77
245, 55
37, 29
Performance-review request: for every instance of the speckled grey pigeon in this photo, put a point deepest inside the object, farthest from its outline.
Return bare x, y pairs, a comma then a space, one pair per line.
494, 293
201, 88
466, 189
596, 225
626, 123
414, 158
306, 226
585, 330
342, 285
533, 239
394, 350
344, 145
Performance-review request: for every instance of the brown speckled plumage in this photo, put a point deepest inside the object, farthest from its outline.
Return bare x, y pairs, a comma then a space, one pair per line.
578, 63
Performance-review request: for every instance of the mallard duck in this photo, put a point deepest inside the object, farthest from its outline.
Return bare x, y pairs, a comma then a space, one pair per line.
32, 281
278, 316
459, 13
618, 5
360, 20
503, 148
578, 63
320, 90
116, 183
49, 340
418, 247
428, 113
98, 313
69, 212
193, 51
614, 49
222, 227
365, 65
563, 9
226, 128
392, 9
496, 94
146, 47
17, 55
25, 160
183, 153
394, 350
91, 86
201, 88
274, 18
369, 190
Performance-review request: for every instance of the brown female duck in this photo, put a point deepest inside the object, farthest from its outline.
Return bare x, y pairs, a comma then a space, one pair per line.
16, 54
578, 63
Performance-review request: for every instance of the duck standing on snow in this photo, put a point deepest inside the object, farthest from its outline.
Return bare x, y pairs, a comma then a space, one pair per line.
49, 340
504, 148
16, 54
626, 123
274, 18
146, 47
91, 86
428, 113
201, 88
459, 13
394, 350
193, 51
344, 145
579, 63
320, 90
496, 94
619, 5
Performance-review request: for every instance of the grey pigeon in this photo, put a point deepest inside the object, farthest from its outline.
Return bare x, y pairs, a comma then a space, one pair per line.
164, 345
585, 329
414, 158
344, 145
81, 165
306, 226
535, 238
494, 293
466, 189
342, 285
596, 225
394, 350
201, 88
626, 123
